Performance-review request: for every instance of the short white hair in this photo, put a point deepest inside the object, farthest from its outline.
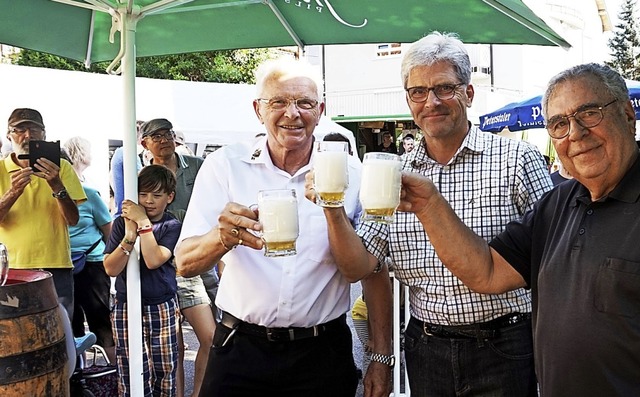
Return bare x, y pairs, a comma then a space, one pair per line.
284, 66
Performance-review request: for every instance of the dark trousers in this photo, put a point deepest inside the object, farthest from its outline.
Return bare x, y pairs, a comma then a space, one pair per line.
252, 366
91, 300
456, 367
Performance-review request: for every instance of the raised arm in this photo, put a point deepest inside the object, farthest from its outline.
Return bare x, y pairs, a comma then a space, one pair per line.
463, 252
198, 254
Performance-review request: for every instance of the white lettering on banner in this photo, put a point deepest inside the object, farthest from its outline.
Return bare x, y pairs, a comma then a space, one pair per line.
499, 118
306, 4
635, 102
536, 112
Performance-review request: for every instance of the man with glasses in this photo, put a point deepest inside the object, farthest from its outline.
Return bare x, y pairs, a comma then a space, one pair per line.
458, 341
37, 205
577, 249
283, 330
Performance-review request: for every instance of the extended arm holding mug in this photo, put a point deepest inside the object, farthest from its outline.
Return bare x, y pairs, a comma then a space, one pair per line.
463, 252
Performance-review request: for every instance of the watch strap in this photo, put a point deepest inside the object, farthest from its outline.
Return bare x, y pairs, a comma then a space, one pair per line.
384, 359
61, 194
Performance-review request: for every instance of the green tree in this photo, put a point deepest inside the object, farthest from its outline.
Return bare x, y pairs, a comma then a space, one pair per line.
229, 66
625, 44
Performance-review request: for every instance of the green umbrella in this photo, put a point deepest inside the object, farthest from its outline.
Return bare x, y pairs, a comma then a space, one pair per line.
81, 29
100, 30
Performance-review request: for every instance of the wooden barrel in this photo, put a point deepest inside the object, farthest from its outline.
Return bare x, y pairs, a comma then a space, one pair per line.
33, 354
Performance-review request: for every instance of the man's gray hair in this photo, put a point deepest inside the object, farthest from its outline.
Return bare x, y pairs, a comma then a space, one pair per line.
437, 47
613, 84
276, 68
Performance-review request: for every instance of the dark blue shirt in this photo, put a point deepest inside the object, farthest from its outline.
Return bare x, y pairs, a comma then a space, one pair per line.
157, 285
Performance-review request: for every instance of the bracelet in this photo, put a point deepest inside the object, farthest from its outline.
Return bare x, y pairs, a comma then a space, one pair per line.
128, 242
143, 231
126, 252
222, 242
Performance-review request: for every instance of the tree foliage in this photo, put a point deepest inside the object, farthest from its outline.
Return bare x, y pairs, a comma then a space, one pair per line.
625, 43
229, 66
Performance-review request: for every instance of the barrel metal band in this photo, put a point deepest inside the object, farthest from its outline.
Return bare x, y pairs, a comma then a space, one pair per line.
32, 364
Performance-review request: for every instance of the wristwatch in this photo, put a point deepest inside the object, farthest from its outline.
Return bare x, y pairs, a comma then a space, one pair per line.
62, 194
381, 358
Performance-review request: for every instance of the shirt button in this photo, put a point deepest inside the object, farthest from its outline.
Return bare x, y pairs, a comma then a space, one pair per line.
581, 231
589, 212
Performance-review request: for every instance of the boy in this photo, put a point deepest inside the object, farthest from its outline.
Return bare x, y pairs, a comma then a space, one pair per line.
158, 231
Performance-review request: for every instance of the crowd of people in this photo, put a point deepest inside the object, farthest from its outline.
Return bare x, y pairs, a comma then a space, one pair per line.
517, 287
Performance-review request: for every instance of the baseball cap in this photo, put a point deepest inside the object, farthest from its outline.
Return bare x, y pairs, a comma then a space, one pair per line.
24, 115
180, 138
154, 125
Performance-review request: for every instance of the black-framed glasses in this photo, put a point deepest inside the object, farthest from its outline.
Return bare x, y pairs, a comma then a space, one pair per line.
158, 137
588, 116
278, 103
34, 129
442, 91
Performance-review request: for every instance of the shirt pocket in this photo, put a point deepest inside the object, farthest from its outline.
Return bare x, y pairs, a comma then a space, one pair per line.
618, 287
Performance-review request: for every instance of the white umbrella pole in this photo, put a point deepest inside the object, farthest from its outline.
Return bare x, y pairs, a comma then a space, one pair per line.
134, 301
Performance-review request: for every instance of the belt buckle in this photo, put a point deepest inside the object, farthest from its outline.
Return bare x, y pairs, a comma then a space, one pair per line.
271, 335
424, 329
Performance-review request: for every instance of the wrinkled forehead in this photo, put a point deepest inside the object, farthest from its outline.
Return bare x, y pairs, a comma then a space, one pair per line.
568, 95
283, 84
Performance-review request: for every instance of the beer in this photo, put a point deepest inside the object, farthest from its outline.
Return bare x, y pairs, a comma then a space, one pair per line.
279, 217
330, 173
380, 187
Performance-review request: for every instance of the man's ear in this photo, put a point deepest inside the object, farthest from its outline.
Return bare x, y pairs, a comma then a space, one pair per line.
256, 108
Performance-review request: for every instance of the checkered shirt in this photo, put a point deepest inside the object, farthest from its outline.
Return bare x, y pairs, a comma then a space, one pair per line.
490, 181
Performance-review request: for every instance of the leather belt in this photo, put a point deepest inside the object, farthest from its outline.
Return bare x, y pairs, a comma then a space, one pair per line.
486, 330
280, 334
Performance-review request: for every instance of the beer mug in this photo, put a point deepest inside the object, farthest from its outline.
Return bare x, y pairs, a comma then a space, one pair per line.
4, 264
380, 186
278, 213
330, 169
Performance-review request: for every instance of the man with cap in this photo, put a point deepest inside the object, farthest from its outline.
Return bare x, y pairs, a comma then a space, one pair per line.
41, 198
159, 139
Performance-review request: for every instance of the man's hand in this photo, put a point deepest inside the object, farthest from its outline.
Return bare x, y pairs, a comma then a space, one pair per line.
309, 191
416, 192
20, 179
377, 381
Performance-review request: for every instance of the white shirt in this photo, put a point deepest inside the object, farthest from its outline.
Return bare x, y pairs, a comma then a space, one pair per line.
302, 290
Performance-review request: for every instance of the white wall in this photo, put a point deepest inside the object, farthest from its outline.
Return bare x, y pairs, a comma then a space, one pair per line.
90, 105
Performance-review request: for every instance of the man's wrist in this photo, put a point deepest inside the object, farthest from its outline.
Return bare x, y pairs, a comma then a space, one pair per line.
60, 194
389, 360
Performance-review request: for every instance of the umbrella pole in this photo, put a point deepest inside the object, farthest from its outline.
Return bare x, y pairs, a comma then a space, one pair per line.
134, 301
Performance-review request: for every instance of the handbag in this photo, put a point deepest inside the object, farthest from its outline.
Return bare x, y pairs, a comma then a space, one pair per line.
96, 379
80, 258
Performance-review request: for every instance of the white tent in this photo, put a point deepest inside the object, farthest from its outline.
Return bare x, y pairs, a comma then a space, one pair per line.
89, 105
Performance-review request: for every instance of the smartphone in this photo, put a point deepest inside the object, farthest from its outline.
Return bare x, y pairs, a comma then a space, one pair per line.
48, 150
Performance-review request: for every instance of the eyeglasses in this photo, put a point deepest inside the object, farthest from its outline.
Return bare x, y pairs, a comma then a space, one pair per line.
283, 103
157, 137
21, 130
559, 126
442, 91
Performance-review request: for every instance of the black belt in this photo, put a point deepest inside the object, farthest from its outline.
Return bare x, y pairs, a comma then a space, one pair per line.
281, 334
486, 330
